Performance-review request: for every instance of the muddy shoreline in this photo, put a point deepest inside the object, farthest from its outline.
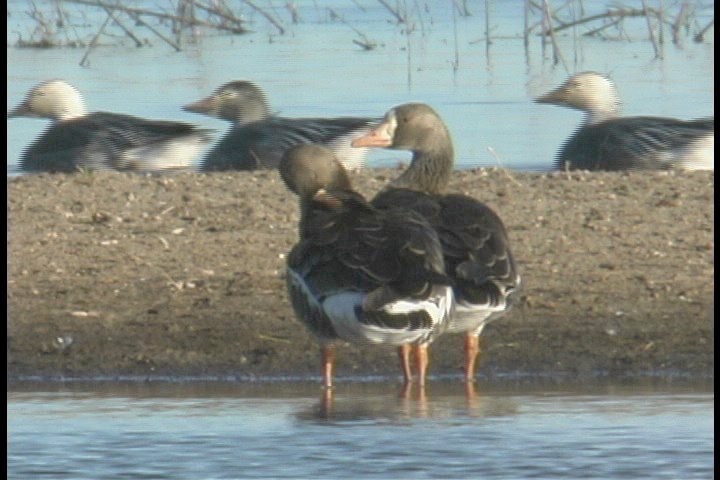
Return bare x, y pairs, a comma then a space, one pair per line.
129, 276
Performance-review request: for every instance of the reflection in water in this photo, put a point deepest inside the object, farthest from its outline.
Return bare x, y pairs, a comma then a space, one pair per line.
409, 402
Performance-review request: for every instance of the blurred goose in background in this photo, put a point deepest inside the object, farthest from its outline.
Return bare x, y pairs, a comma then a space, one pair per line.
475, 244
606, 141
77, 140
359, 274
258, 138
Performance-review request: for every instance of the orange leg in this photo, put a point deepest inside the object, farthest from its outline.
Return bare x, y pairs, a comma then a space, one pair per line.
404, 354
328, 360
421, 360
472, 348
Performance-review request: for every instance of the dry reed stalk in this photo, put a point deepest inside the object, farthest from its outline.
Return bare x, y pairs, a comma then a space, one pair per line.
614, 14
399, 17
651, 31
140, 21
557, 54
456, 60
365, 42
488, 40
267, 16
93, 42
502, 167
137, 41
680, 20
235, 28
700, 36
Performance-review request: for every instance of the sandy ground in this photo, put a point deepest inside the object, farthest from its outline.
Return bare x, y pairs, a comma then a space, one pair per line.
119, 275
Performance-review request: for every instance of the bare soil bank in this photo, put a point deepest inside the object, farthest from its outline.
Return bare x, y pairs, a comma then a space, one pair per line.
128, 275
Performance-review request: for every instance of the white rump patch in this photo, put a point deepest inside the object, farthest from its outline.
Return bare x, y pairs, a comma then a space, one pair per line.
698, 155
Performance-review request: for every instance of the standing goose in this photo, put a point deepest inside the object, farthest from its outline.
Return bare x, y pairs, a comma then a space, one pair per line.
258, 139
359, 274
102, 141
475, 244
606, 141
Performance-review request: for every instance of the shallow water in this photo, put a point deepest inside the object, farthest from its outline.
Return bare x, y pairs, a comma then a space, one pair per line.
288, 429
484, 94
368, 430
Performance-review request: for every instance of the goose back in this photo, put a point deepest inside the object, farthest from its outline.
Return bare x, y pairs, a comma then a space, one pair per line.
358, 273
475, 245
111, 141
78, 140
261, 145
640, 143
258, 138
607, 141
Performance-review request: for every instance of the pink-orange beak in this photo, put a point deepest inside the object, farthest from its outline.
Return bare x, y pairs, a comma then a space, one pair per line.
377, 137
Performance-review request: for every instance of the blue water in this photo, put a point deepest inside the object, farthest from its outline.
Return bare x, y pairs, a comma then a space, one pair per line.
206, 431
209, 431
315, 69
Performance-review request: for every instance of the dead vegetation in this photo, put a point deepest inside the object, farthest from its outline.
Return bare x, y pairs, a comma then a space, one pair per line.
176, 23
548, 19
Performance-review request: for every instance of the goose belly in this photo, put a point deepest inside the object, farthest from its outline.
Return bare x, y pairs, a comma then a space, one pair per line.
398, 323
469, 317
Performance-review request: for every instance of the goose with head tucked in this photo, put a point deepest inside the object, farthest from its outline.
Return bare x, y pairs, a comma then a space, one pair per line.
608, 141
360, 274
259, 138
475, 244
78, 140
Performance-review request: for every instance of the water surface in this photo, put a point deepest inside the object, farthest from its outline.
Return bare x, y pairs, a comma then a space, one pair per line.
371, 430
483, 92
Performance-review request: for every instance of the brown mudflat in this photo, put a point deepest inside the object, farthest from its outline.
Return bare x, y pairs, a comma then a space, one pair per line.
128, 275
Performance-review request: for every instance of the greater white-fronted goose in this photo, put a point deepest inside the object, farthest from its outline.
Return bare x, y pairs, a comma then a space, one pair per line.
360, 274
258, 138
607, 141
475, 244
77, 140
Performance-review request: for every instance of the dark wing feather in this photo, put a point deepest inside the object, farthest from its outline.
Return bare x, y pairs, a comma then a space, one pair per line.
475, 245
394, 254
262, 144
98, 140
630, 143
57, 149
478, 251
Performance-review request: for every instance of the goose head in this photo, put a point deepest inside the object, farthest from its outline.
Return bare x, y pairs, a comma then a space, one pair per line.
590, 92
54, 99
418, 128
240, 102
308, 169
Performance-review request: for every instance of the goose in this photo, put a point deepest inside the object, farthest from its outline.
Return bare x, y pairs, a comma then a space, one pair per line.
608, 141
258, 138
359, 274
78, 140
475, 244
